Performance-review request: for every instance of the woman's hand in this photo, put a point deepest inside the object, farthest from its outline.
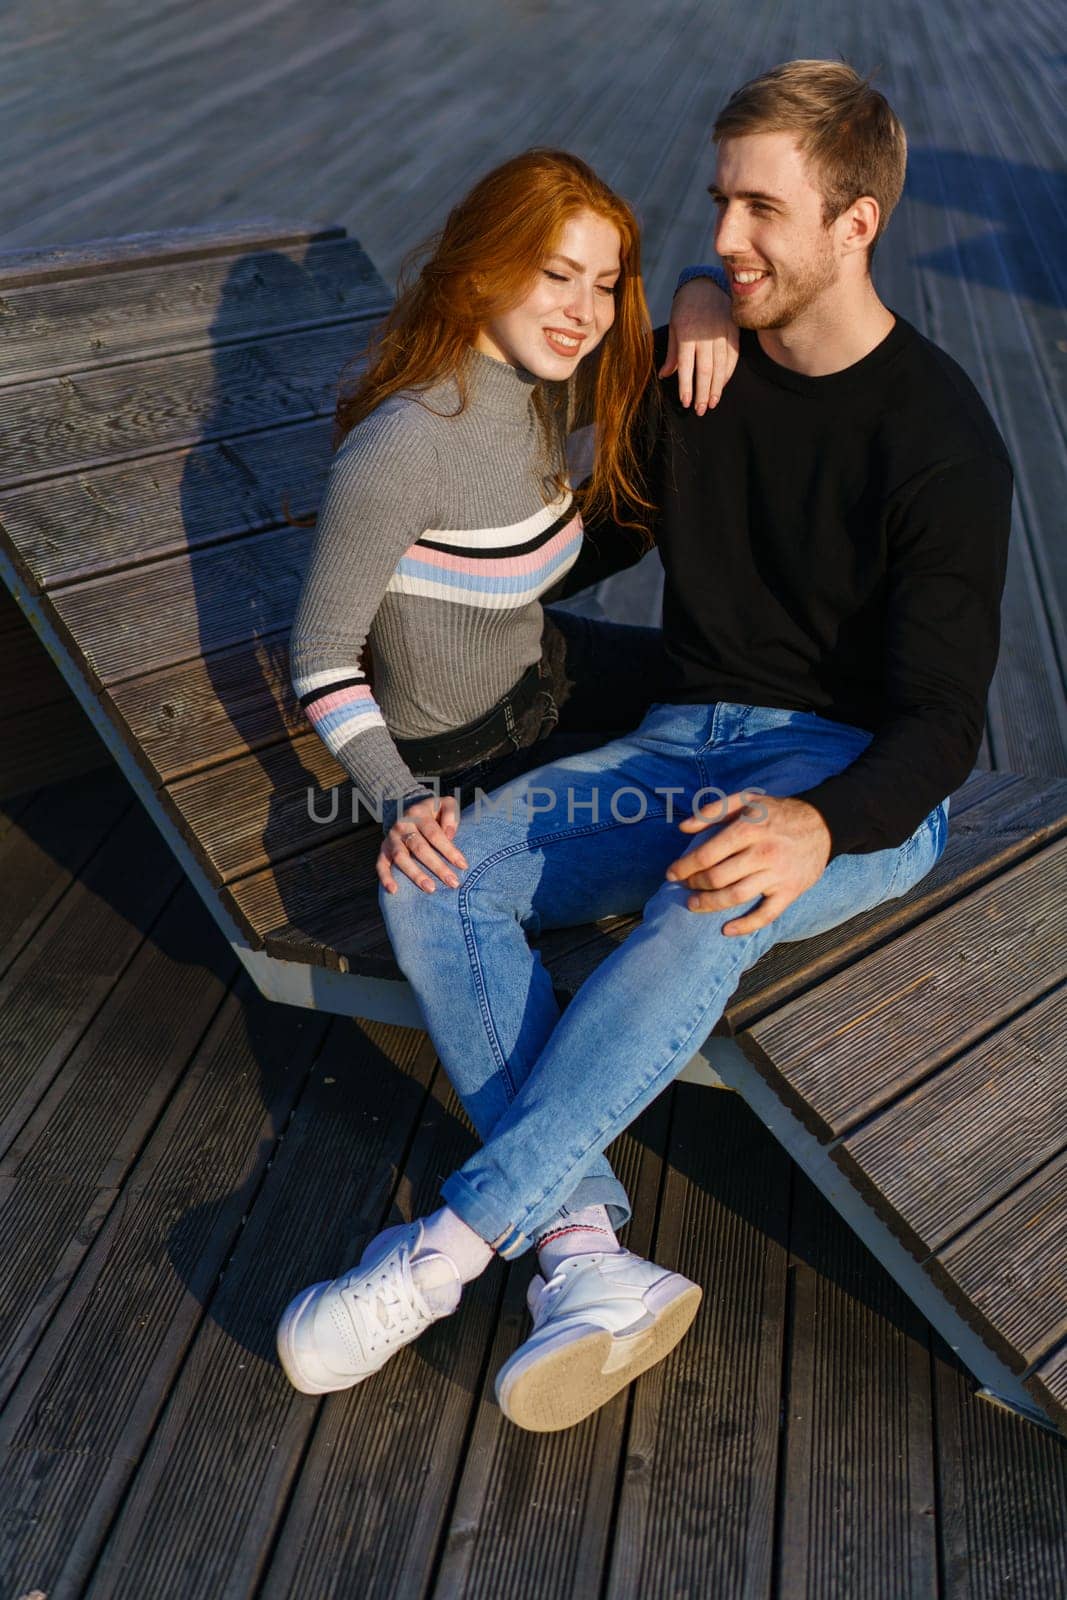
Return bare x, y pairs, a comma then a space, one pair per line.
420, 839
702, 345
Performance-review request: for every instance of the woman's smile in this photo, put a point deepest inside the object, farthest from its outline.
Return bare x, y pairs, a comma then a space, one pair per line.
564, 344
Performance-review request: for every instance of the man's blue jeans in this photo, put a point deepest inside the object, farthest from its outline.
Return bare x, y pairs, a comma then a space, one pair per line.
587, 837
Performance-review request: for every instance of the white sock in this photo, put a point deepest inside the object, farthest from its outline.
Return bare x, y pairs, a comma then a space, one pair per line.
450, 1235
582, 1233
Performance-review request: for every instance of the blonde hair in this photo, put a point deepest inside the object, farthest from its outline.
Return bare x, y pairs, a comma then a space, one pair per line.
847, 131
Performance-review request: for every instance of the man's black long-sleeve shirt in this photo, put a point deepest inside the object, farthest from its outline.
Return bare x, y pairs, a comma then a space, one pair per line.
838, 545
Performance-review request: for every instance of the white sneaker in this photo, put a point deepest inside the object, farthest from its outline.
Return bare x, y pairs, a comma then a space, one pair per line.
335, 1334
599, 1322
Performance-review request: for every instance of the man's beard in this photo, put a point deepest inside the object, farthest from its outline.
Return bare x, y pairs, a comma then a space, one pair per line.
789, 297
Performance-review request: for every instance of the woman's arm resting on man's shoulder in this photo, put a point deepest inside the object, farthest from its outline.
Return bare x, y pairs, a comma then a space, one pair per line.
704, 340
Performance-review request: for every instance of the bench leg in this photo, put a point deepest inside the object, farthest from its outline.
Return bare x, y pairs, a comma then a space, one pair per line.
996, 1380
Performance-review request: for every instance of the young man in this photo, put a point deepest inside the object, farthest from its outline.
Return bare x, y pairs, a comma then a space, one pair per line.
834, 538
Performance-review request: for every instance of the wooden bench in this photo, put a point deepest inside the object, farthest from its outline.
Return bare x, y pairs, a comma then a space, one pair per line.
164, 397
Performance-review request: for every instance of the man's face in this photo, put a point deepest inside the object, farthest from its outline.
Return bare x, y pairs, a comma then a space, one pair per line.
770, 223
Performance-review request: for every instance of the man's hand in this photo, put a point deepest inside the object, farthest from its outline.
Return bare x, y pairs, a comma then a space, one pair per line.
420, 839
777, 857
702, 345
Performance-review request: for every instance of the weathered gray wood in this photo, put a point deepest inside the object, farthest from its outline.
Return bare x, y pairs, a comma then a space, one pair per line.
202, 713
1008, 1269
255, 811
91, 523
71, 964
1048, 1385
856, 1411
29, 679
60, 425
160, 129
48, 745
80, 324
696, 1510
135, 251
949, 1151
983, 329
63, 1174
1002, 1489
78, 1420
320, 907
45, 737
206, 94
47, 845
186, 606
867, 1035
360, 1520
231, 1441
511, 1480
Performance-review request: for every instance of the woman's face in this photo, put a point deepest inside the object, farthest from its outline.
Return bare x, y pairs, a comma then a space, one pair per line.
568, 309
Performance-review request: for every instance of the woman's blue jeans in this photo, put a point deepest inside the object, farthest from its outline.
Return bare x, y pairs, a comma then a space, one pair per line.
587, 837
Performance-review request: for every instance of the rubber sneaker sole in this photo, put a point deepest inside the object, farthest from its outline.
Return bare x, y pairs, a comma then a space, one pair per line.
561, 1384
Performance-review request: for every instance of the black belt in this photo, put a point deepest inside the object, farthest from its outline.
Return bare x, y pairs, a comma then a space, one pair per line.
490, 735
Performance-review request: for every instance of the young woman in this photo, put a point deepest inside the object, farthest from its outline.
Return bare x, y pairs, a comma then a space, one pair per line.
449, 516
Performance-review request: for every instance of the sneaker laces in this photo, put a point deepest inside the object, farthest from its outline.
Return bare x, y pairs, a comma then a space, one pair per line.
390, 1306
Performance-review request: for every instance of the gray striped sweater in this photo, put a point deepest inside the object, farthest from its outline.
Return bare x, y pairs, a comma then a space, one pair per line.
436, 537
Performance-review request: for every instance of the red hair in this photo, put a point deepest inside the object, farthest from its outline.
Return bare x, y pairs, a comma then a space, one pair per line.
482, 263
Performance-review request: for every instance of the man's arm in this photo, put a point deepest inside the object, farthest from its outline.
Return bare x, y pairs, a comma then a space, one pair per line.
611, 546
947, 562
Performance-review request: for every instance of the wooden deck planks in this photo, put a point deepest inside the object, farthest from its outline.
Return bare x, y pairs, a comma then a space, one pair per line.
361, 1517
1000, 1484
320, 907
69, 966
61, 425
1009, 1266
62, 1176
82, 323
1048, 1382
140, 249
47, 845
942, 1155
190, 1496
70, 1444
235, 1434
841, 1062
512, 1484
256, 811
698, 1492
44, 733
187, 606
858, 1509
984, 324
996, 1475
93, 523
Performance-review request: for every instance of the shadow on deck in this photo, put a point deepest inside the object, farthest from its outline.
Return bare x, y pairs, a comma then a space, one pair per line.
180, 1155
